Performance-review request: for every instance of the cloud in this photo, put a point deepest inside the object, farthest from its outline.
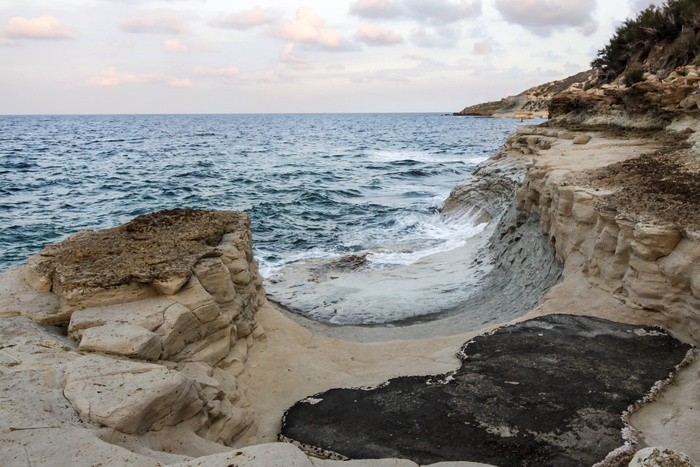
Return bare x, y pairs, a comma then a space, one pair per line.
233, 74
441, 38
376, 9
306, 28
439, 12
180, 83
384, 75
373, 34
159, 22
110, 77
434, 12
43, 27
638, 5
174, 46
292, 60
247, 19
483, 48
221, 72
542, 17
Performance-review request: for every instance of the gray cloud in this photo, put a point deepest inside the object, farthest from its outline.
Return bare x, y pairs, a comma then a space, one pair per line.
542, 17
442, 11
159, 22
441, 38
435, 12
247, 19
376, 9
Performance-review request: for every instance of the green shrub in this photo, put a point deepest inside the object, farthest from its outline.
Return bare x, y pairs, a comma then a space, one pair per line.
590, 85
632, 76
635, 38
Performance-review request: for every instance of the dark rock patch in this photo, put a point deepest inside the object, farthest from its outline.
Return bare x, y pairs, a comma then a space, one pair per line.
548, 391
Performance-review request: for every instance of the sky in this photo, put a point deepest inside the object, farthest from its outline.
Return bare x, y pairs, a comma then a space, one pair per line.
288, 56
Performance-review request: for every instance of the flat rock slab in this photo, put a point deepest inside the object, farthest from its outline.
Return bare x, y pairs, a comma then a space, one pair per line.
548, 391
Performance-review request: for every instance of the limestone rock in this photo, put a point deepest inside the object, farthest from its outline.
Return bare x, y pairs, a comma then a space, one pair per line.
18, 298
126, 340
582, 139
652, 241
661, 457
128, 396
120, 264
149, 314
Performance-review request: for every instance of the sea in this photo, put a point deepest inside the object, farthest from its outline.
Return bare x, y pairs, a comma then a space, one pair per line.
314, 185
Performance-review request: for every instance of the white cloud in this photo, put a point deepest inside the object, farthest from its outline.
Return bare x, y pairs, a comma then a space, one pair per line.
43, 27
158, 22
180, 83
542, 17
440, 12
174, 46
373, 34
638, 5
110, 77
307, 28
221, 72
289, 57
443, 38
247, 19
483, 48
376, 9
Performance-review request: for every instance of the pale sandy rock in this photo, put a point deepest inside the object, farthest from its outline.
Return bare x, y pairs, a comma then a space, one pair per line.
269, 455
661, 457
673, 416
126, 340
169, 286
216, 279
148, 314
582, 139
18, 298
128, 396
65, 445
180, 327
652, 241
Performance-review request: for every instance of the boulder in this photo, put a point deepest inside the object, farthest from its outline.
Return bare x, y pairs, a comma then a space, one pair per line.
126, 340
128, 396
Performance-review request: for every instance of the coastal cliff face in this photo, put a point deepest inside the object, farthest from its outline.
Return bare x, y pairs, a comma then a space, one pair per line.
533, 102
634, 239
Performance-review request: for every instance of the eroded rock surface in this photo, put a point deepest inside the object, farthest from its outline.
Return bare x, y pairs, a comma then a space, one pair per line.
548, 391
178, 289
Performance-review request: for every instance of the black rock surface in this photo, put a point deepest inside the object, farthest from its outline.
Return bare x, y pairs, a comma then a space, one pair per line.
548, 391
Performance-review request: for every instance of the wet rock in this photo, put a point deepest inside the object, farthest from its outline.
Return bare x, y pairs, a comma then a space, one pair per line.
549, 391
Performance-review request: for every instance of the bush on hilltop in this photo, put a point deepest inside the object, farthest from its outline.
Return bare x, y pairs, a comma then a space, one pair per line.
664, 36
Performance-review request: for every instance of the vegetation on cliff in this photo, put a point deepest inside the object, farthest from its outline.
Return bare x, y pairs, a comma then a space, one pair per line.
658, 40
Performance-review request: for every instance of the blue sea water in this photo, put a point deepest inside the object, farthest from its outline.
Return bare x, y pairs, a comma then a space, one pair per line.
313, 184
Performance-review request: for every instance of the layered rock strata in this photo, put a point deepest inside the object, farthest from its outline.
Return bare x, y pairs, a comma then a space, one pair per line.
162, 311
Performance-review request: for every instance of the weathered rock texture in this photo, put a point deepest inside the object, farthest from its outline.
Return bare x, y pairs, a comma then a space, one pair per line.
634, 236
654, 103
178, 288
533, 102
549, 391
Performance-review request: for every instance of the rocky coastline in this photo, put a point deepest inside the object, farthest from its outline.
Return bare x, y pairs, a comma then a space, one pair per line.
154, 343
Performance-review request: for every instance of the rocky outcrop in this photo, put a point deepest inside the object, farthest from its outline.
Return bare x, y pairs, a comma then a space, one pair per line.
179, 289
533, 102
652, 103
